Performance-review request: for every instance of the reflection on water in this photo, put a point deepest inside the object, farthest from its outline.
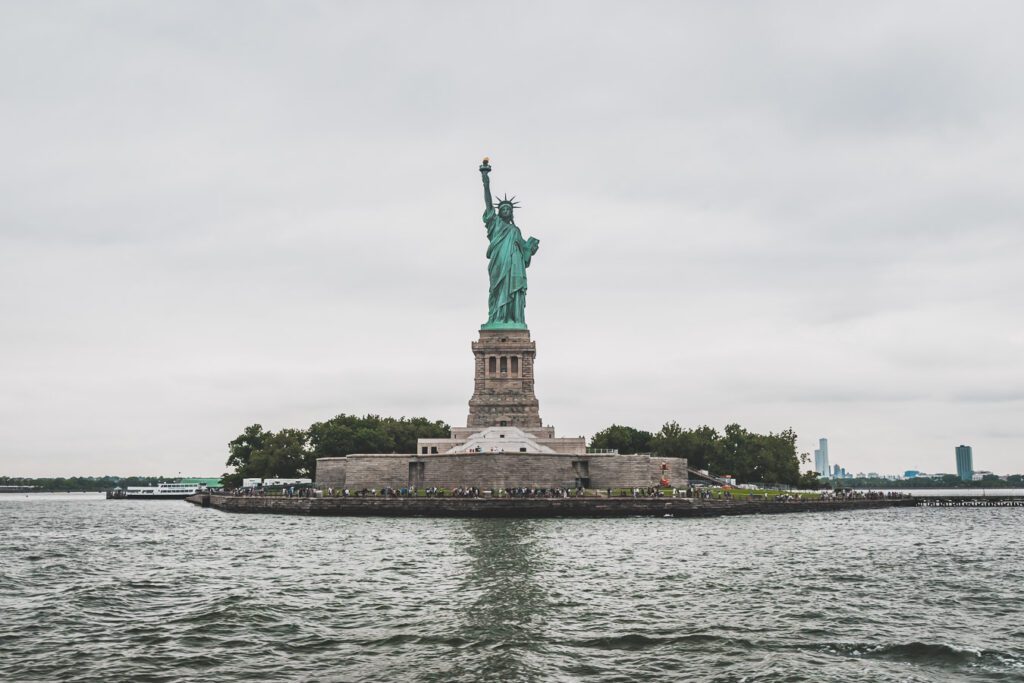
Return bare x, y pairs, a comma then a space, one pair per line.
508, 608
165, 591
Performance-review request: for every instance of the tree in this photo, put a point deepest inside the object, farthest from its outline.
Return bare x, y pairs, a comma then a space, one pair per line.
670, 441
241, 448
293, 452
347, 434
741, 455
282, 455
750, 457
810, 480
704, 447
701, 446
785, 464
624, 439
405, 432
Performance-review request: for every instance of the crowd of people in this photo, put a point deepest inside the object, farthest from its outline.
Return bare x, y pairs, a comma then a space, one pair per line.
702, 493
286, 492
459, 492
850, 494
645, 492
526, 492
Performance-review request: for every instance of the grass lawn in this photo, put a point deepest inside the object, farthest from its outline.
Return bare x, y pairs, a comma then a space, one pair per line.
768, 494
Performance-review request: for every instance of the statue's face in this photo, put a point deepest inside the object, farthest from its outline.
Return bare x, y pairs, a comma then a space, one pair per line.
505, 212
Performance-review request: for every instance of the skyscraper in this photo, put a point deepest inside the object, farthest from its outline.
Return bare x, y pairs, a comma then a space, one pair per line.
821, 458
964, 462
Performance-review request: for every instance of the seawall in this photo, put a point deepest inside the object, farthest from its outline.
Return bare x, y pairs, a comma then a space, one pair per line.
526, 507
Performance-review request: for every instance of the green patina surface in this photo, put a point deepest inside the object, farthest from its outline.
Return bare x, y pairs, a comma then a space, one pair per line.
503, 326
508, 256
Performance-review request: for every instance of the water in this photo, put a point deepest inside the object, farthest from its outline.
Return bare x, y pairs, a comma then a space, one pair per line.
165, 591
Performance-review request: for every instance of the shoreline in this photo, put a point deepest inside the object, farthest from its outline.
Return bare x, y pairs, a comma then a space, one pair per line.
526, 507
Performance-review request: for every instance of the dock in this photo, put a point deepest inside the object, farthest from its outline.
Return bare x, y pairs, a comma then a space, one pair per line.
357, 506
990, 501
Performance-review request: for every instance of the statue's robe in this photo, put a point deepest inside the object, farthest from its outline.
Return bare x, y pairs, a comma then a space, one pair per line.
509, 256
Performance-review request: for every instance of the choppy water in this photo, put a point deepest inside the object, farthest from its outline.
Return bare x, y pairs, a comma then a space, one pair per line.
165, 591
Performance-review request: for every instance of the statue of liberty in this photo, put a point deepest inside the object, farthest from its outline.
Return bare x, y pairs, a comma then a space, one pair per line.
509, 255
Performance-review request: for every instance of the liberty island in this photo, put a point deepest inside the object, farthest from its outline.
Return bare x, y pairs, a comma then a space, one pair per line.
506, 461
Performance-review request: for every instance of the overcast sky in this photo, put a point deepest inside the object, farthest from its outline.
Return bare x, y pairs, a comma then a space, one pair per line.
802, 215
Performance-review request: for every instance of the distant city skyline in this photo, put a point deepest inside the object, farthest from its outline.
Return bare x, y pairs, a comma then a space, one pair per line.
800, 217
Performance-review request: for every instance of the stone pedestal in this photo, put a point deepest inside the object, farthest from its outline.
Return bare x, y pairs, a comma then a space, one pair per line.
503, 393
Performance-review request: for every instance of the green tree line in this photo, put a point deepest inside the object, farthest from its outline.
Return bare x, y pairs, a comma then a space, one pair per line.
69, 484
945, 481
746, 455
257, 452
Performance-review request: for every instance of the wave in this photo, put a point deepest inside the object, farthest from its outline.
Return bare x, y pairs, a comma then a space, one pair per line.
932, 654
640, 641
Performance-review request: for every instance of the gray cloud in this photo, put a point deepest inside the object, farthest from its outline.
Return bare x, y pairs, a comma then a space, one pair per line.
784, 214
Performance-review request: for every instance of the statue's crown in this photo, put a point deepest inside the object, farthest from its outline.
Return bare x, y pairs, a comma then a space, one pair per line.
510, 201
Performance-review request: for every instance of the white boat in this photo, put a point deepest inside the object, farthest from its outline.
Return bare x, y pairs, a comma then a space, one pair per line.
162, 491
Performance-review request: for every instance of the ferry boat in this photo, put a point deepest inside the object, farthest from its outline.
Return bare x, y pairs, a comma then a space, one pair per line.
162, 491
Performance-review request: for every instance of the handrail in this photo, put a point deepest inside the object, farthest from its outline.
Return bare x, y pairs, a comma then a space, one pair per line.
697, 474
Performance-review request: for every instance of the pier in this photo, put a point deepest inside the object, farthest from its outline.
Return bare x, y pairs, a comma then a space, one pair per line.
973, 502
597, 506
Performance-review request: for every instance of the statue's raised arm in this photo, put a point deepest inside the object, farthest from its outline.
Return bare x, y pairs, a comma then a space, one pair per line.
485, 169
